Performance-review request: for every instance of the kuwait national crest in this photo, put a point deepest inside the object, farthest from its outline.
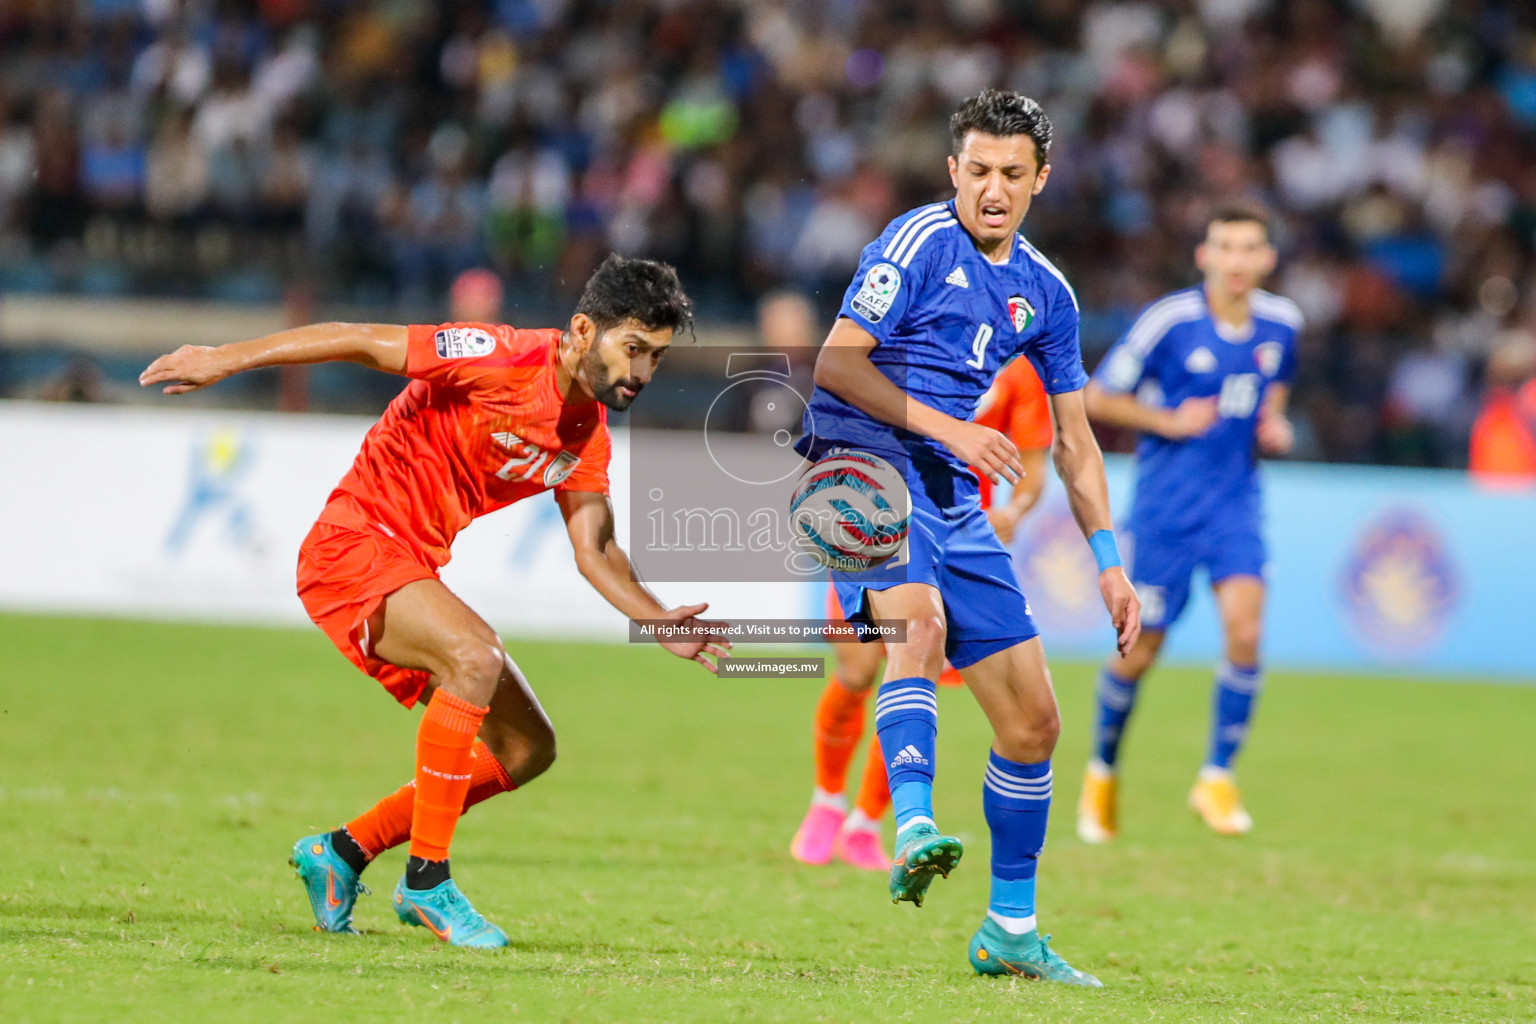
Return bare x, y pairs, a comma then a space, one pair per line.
1021, 312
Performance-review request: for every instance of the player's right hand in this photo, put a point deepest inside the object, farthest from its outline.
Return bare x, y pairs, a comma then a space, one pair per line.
988, 451
1193, 418
187, 369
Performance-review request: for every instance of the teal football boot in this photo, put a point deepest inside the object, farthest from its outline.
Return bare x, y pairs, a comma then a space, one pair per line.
921, 853
995, 951
446, 913
329, 881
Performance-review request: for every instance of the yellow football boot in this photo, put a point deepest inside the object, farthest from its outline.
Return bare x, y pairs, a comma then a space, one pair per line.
1098, 810
1216, 799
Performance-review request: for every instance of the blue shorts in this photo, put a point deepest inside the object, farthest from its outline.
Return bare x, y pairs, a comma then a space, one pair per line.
1163, 565
956, 550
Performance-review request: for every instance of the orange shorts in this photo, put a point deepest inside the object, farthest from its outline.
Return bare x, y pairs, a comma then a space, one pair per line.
344, 575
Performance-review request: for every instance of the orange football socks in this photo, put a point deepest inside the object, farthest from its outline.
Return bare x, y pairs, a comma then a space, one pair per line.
839, 723
443, 761
387, 823
875, 790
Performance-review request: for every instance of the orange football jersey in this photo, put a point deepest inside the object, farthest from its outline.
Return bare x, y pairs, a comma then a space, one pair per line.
481, 425
1016, 405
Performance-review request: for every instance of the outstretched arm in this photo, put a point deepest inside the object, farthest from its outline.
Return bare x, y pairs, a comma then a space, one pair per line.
1080, 465
589, 522
1192, 418
381, 346
843, 367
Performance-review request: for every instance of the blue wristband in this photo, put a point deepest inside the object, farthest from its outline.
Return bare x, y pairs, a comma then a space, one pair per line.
1105, 551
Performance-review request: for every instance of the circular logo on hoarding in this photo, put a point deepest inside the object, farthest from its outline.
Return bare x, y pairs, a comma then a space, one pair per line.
1400, 584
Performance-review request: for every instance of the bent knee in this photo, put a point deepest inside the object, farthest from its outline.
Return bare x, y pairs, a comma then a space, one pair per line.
524, 756
927, 633
476, 661
1032, 738
1243, 643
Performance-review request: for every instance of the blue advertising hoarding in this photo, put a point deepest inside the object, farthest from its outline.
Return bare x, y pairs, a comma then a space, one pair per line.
1371, 569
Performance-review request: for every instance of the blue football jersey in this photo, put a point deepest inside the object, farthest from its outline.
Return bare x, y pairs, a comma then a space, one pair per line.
1176, 350
947, 319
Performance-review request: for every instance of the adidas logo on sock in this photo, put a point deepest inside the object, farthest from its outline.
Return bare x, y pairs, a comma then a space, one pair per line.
908, 755
957, 277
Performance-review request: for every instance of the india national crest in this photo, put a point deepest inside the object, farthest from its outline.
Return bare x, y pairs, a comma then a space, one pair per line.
1021, 312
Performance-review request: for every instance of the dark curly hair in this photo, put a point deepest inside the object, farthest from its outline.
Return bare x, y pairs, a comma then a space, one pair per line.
646, 291
1001, 113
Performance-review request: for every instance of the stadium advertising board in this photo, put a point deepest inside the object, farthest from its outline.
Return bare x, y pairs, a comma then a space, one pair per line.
199, 515
1369, 568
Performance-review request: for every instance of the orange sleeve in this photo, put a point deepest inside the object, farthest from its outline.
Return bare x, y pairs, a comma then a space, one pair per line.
465, 356
1029, 409
591, 473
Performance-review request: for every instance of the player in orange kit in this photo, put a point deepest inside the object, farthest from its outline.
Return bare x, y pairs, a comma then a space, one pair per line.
493, 415
1016, 405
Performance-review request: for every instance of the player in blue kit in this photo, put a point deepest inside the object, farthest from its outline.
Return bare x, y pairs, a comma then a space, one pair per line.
1204, 374
947, 295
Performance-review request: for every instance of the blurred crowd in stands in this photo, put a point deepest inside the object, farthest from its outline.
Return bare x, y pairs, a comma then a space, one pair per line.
377, 148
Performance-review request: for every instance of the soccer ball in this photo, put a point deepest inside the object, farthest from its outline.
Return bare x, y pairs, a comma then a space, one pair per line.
851, 511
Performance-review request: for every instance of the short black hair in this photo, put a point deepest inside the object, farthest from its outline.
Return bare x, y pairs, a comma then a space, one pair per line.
646, 291
1001, 113
1239, 212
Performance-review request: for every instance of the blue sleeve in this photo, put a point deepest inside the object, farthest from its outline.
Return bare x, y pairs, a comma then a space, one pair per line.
882, 291
1287, 371
1057, 352
1133, 358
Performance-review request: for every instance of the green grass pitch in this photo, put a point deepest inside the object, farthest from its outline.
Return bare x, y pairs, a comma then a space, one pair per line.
153, 777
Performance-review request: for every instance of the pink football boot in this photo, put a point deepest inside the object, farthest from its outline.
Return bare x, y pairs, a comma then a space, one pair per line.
863, 848
817, 835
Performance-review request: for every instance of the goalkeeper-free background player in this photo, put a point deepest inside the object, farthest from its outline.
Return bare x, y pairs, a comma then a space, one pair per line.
1015, 404
493, 415
1204, 375
948, 294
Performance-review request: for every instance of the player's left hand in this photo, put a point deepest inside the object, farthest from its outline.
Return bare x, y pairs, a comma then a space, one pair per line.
704, 638
1275, 434
1124, 607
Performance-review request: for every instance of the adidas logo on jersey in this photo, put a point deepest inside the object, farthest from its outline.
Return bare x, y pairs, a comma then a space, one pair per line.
1200, 361
908, 755
957, 278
